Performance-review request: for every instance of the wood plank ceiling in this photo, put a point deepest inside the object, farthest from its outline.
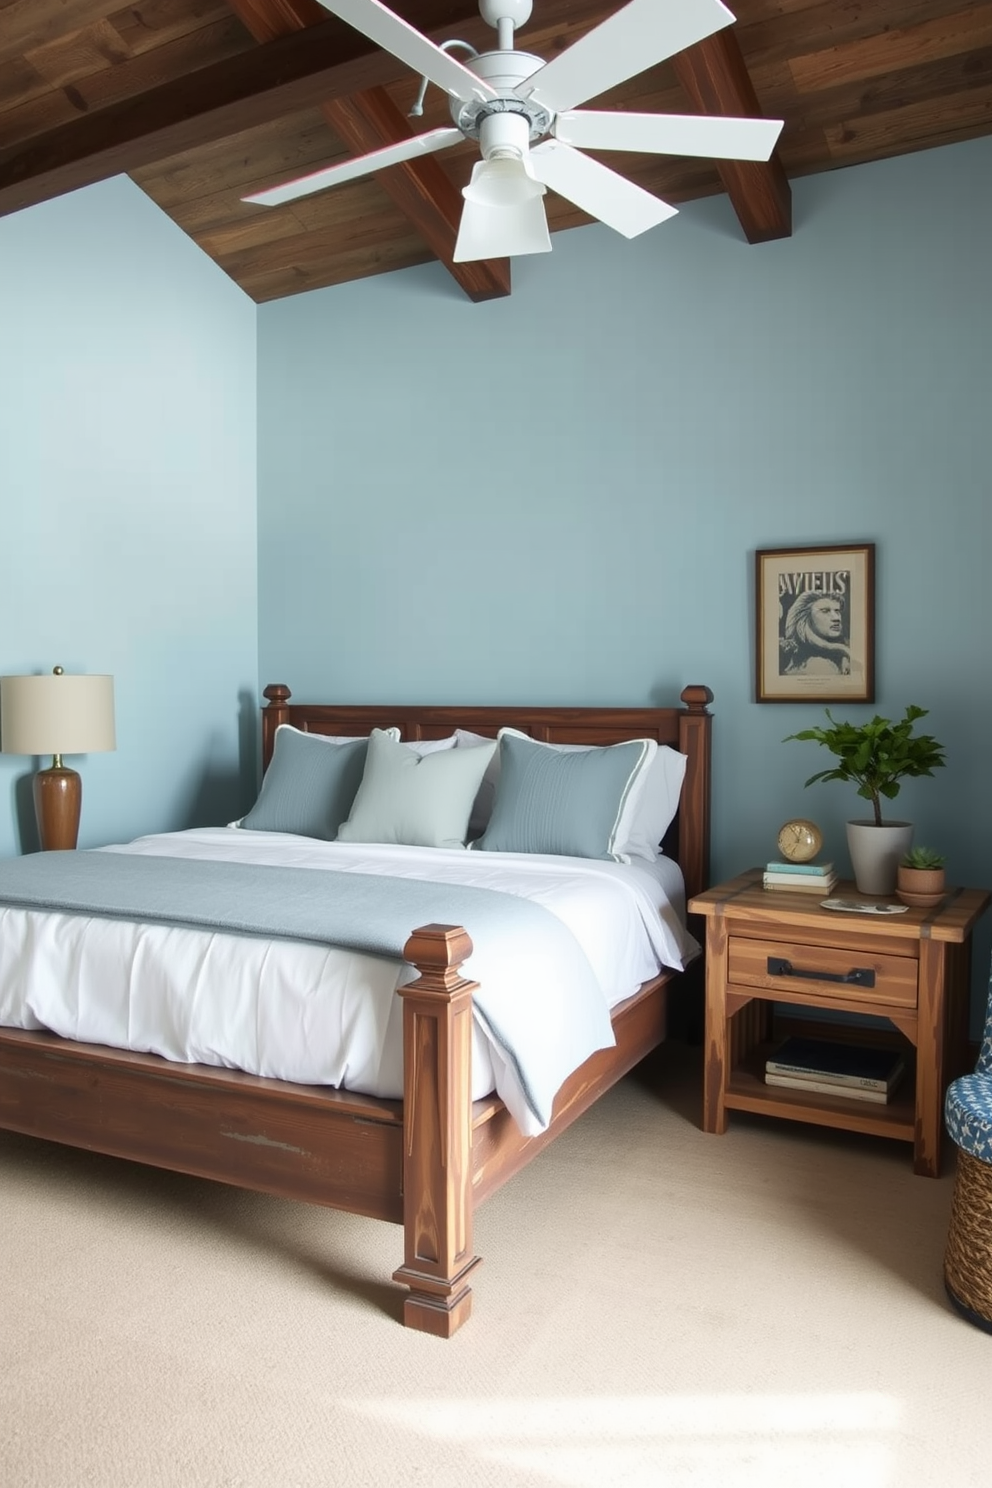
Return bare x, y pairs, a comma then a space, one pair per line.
202, 101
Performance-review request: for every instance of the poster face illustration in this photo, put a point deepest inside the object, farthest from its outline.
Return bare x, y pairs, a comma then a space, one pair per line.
815, 628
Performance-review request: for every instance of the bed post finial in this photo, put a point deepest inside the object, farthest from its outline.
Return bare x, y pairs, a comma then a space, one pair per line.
275, 713
696, 698
437, 1132
695, 725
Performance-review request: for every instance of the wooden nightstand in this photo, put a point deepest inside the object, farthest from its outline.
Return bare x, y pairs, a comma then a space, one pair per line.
767, 947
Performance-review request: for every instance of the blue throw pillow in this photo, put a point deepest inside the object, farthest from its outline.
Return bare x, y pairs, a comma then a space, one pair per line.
568, 802
310, 785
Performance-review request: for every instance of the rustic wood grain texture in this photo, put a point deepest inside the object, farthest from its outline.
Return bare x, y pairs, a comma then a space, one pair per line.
263, 83
715, 77
437, 1132
920, 962
894, 976
718, 1027
313, 1144
880, 53
165, 90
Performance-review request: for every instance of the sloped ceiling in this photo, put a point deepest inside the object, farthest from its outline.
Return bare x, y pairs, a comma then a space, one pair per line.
202, 101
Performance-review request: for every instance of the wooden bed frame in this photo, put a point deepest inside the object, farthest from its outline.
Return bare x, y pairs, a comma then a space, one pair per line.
424, 1162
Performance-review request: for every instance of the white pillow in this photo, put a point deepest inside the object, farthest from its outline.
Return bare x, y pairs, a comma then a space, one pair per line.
648, 813
653, 809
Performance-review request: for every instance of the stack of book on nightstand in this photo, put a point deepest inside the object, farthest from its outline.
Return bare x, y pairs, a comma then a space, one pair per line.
814, 878
863, 1072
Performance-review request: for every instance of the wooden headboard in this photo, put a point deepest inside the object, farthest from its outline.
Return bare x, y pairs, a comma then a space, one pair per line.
686, 728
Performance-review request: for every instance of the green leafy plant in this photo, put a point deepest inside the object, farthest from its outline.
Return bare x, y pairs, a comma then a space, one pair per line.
875, 756
923, 857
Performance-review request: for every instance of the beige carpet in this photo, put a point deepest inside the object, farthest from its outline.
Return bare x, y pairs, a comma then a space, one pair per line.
656, 1307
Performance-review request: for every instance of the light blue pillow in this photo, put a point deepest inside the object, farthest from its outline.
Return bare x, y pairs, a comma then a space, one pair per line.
570, 802
310, 784
421, 800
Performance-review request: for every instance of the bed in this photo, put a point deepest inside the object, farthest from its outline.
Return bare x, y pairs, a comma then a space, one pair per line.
426, 1158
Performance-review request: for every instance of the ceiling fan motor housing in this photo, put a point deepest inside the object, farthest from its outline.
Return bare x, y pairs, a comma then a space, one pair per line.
504, 71
515, 11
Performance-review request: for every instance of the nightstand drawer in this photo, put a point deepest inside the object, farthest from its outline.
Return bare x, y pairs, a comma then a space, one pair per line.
822, 971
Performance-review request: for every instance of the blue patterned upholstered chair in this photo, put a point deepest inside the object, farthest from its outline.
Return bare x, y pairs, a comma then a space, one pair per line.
968, 1260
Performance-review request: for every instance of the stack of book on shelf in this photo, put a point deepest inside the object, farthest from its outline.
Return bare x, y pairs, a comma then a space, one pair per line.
813, 878
860, 1071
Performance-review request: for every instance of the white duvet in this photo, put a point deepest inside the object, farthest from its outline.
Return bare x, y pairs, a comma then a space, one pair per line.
309, 1013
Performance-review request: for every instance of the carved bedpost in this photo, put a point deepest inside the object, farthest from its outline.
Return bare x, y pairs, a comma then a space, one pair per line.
437, 1132
275, 713
694, 843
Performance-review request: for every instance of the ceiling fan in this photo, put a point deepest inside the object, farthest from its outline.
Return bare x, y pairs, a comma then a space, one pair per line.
522, 111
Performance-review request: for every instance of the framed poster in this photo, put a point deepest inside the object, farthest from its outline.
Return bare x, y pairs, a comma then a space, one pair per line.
815, 633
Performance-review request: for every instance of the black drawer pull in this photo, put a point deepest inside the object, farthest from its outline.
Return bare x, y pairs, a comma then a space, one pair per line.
860, 976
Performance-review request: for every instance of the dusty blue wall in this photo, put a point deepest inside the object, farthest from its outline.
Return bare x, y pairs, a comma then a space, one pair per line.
558, 496
555, 497
127, 492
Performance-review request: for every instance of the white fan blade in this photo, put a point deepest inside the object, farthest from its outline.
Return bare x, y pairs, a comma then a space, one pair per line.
671, 134
395, 35
643, 33
597, 190
362, 165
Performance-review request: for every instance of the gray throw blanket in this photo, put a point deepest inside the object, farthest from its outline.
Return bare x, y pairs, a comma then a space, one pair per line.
372, 914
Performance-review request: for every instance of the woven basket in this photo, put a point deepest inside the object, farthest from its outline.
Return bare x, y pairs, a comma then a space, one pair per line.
968, 1259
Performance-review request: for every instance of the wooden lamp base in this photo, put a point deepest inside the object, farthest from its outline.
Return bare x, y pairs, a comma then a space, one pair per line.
58, 798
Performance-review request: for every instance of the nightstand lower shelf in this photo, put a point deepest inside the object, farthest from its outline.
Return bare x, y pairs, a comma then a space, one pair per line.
747, 1091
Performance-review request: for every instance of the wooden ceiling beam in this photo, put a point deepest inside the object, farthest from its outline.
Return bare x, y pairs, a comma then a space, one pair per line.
259, 86
368, 120
291, 73
326, 63
714, 75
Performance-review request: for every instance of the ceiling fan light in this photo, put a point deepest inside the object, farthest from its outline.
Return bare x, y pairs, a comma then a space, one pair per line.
501, 232
503, 181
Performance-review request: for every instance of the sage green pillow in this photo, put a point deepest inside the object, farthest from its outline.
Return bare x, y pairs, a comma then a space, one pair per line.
421, 800
569, 802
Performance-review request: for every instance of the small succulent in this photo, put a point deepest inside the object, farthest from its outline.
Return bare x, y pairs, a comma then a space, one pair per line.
923, 857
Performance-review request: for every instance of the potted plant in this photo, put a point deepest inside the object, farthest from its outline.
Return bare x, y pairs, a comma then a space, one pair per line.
920, 879
876, 756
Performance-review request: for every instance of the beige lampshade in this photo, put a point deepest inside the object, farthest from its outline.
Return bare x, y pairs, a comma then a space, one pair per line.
57, 714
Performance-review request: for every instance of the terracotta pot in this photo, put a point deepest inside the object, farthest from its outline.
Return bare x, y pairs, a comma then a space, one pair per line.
920, 887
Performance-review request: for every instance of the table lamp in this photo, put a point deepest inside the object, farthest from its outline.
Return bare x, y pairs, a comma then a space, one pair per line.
57, 715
